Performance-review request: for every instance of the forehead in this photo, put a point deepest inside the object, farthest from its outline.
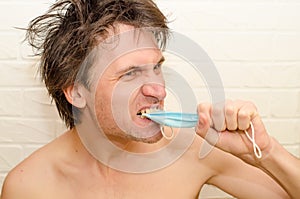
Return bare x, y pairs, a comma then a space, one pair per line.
125, 46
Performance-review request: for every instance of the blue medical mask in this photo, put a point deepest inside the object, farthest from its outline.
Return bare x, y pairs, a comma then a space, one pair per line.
189, 120
173, 119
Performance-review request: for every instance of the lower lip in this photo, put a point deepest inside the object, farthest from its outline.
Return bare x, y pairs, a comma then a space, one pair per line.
143, 121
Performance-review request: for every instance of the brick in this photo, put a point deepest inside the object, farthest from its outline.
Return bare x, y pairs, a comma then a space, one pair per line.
254, 44
25, 10
29, 149
244, 46
9, 46
284, 75
287, 46
10, 156
19, 74
243, 75
27, 130
38, 104
205, 41
27, 52
229, 15
288, 15
10, 103
285, 103
60, 127
235, 46
260, 75
176, 67
286, 131
260, 98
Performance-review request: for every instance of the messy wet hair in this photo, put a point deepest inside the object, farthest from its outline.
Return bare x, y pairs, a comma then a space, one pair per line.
68, 31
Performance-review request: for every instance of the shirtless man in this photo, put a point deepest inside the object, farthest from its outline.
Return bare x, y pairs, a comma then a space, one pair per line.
72, 166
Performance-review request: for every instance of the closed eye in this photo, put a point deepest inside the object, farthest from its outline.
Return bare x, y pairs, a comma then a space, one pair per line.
131, 73
157, 68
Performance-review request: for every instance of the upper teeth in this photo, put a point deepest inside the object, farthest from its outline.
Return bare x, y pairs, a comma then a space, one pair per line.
147, 111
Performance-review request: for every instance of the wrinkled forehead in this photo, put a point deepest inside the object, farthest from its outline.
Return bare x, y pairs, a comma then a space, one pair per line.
123, 40
127, 39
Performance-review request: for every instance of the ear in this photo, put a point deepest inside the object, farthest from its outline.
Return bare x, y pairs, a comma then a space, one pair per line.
75, 95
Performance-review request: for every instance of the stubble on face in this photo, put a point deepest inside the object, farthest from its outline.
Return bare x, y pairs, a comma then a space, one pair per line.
103, 104
107, 124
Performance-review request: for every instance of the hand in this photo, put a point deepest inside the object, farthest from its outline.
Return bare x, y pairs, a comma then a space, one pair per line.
223, 126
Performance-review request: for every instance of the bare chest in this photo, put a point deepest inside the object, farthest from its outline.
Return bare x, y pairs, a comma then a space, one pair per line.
153, 185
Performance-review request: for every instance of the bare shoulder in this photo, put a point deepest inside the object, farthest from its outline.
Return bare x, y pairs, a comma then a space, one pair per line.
34, 175
200, 160
227, 169
215, 161
23, 180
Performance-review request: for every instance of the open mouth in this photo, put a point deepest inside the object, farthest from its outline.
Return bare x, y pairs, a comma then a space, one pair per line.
142, 112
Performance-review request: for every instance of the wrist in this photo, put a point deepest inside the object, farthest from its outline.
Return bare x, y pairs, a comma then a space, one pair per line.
271, 154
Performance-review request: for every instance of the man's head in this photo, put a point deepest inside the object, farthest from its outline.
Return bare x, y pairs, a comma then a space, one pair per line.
125, 79
70, 30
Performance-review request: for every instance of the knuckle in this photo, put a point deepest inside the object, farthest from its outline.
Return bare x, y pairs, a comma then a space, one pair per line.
203, 106
218, 109
229, 110
232, 127
243, 115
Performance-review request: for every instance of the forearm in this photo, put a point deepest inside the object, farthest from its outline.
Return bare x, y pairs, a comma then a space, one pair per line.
283, 167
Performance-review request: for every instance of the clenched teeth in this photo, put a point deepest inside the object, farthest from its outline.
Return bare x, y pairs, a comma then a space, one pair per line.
142, 112
146, 111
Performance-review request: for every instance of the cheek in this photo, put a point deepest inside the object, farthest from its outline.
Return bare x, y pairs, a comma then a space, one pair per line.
124, 97
103, 101
116, 101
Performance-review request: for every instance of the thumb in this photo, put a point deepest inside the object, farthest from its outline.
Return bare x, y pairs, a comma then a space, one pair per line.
210, 141
203, 125
210, 136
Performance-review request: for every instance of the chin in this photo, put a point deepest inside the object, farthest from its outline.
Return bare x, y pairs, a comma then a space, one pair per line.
149, 140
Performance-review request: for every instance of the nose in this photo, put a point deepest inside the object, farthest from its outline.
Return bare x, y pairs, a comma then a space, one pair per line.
154, 91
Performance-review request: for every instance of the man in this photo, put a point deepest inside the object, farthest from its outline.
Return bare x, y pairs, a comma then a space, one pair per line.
102, 66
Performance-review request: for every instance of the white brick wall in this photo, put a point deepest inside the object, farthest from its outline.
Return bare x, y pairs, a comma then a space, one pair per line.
255, 45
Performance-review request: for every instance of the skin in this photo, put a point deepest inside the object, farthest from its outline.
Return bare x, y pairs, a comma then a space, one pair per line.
65, 169
276, 161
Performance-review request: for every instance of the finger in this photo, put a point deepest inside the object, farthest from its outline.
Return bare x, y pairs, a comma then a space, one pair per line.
231, 115
205, 108
208, 134
210, 141
203, 125
246, 113
218, 117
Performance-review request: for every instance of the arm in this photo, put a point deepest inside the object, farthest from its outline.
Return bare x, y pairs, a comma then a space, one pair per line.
226, 124
283, 167
240, 179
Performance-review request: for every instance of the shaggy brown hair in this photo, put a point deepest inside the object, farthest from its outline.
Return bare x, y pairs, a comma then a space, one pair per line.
69, 30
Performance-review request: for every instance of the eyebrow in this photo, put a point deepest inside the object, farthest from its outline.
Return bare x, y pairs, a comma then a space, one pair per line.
162, 59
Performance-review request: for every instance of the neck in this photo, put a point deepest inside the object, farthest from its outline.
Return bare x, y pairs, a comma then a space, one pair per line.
145, 146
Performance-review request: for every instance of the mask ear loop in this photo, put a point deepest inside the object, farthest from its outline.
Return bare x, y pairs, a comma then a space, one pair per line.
164, 135
256, 148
